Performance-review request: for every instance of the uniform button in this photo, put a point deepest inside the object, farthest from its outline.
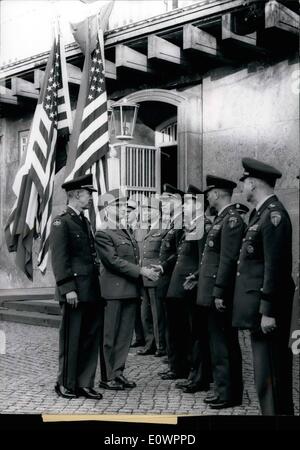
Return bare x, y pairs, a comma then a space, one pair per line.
75, 274
238, 274
214, 276
244, 239
238, 262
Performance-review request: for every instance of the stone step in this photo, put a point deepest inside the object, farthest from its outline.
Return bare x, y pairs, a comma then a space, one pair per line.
40, 306
26, 294
30, 318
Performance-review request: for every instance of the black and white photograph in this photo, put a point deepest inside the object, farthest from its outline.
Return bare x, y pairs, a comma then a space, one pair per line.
149, 209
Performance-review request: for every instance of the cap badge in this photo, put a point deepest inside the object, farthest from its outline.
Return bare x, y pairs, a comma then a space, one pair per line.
56, 222
250, 249
211, 244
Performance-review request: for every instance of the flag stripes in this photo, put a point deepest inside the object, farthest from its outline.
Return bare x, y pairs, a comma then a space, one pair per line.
34, 183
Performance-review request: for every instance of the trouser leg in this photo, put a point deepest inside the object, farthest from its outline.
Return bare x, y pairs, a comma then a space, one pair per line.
112, 318
225, 356
179, 335
124, 336
201, 365
147, 321
89, 343
272, 374
69, 338
158, 319
138, 325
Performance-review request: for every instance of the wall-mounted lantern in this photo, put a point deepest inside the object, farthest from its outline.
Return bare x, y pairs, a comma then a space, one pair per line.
123, 116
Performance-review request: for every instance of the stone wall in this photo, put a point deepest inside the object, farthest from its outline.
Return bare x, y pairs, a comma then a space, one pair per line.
254, 112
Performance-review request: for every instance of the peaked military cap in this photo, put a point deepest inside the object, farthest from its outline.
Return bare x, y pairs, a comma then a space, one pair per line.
131, 204
214, 182
112, 197
193, 190
82, 182
257, 169
242, 209
171, 191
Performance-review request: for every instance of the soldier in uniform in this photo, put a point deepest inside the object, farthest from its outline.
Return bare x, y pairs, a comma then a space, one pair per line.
179, 301
215, 291
200, 363
134, 224
171, 206
295, 321
78, 292
120, 277
153, 317
264, 288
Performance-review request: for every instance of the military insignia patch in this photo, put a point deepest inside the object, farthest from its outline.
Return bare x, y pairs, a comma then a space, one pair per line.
56, 222
211, 244
250, 249
275, 218
233, 222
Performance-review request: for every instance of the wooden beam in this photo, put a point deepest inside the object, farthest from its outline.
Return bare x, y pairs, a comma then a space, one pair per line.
110, 70
38, 75
24, 88
228, 36
282, 18
6, 96
74, 74
200, 41
166, 51
131, 59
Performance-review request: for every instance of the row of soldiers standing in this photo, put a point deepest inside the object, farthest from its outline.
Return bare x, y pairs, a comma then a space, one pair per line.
200, 291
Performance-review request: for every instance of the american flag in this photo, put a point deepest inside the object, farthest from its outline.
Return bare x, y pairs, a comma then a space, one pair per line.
33, 186
92, 144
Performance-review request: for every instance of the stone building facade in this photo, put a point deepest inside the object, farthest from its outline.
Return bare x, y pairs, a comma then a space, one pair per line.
215, 81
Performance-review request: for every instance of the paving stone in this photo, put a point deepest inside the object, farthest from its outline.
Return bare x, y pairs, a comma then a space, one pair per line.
29, 368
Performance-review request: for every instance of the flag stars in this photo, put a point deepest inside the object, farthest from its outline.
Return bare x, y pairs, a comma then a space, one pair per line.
90, 97
93, 88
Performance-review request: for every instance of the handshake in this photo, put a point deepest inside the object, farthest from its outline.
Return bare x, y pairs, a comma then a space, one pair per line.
152, 273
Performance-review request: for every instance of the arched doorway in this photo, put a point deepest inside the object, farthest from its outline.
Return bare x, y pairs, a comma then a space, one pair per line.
158, 108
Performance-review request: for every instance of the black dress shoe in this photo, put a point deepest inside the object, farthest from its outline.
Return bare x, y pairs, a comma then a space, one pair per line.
89, 393
145, 351
195, 387
183, 384
126, 383
137, 344
210, 397
221, 404
160, 353
112, 385
64, 392
164, 372
172, 376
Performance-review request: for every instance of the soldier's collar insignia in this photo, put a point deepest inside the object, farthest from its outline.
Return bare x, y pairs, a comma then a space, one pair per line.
275, 218
216, 227
56, 222
254, 227
232, 221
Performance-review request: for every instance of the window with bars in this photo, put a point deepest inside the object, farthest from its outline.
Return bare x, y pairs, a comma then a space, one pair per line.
140, 170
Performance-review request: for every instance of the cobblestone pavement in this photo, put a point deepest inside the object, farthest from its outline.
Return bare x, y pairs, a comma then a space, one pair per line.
29, 366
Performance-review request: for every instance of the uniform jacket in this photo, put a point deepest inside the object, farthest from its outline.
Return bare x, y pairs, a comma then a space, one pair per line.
168, 258
120, 272
263, 281
150, 250
186, 264
74, 260
219, 258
